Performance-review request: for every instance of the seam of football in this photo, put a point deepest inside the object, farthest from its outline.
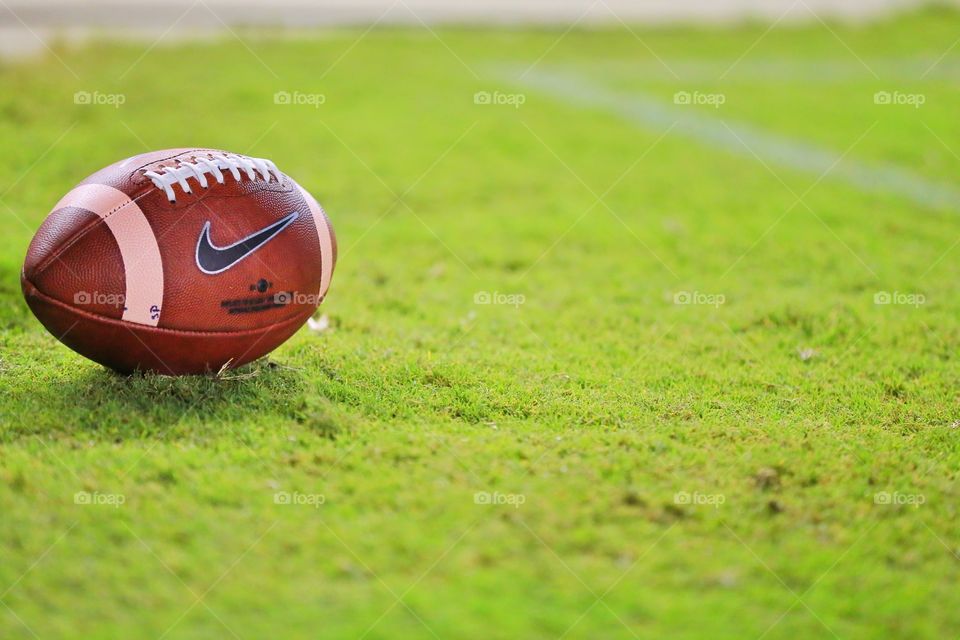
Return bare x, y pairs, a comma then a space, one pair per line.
133, 325
83, 231
80, 233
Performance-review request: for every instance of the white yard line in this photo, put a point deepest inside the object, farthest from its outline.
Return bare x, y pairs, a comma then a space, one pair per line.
742, 139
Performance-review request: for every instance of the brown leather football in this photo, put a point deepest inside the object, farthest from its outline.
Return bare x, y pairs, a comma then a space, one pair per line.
181, 261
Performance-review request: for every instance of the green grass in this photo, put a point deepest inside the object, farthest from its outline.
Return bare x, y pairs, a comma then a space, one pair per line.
594, 402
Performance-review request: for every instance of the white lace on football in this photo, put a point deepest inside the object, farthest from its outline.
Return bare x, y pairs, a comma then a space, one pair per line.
213, 164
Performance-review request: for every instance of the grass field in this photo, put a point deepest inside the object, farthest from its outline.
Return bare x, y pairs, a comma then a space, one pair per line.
776, 459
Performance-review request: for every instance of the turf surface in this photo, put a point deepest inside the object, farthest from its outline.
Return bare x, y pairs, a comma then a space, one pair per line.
778, 460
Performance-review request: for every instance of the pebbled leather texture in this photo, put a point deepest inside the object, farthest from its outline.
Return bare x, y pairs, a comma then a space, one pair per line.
75, 279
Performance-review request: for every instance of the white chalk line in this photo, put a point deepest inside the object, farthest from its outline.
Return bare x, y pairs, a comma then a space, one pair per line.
742, 139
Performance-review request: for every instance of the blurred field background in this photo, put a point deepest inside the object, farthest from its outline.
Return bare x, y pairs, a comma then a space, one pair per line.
643, 326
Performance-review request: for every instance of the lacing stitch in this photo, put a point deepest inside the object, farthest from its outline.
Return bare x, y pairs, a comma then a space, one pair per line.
214, 164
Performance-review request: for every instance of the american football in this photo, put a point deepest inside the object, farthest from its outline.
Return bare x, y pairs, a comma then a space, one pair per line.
183, 261
653, 325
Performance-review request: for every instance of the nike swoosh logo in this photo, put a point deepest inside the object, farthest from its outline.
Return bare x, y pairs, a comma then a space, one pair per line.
212, 259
